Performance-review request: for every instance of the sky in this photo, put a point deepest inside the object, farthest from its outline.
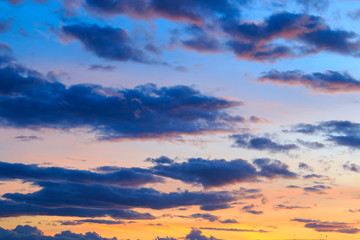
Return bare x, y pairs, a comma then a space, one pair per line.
179, 119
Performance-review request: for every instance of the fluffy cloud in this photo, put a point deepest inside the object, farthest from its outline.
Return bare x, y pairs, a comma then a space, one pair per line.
202, 171
143, 112
106, 42
34, 173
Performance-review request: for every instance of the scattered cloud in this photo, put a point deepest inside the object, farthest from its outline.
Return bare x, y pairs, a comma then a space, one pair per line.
341, 133
318, 189
98, 67
289, 207
27, 138
322, 226
250, 209
250, 141
34, 173
328, 82
352, 167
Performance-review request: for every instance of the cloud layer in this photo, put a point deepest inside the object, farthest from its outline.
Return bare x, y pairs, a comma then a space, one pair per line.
29, 100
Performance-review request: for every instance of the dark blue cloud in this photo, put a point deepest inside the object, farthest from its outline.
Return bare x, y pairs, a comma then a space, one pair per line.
98, 67
27, 138
201, 171
160, 160
351, 167
106, 42
29, 100
250, 141
206, 216
34, 173
59, 195
196, 234
273, 168
314, 176
256, 41
229, 221
96, 221
328, 82
342, 133
324, 226
305, 166
250, 209
318, 189
17, 209
289, 207
214, 207
32, 233
27, 232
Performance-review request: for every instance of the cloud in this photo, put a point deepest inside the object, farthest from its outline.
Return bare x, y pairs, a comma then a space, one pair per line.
313, 176
250, 141
160, 160
27, 138
196, 234
106, 42
96, 221
209, 217
27, 232
318, 189
250, 209
14, 209
97, 67
34, 173
273, 168
282, 206
202, 171
256, 41
5, 25
311, 145
322, 226
234, 229
58, 195
341, 133
32, 233
229, 221
355, 14
314, 4
216, 26
328, 82
351, 167
214, 207
145, 111
305, 167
